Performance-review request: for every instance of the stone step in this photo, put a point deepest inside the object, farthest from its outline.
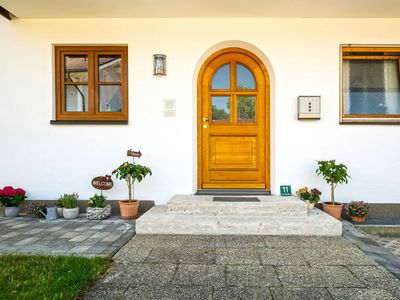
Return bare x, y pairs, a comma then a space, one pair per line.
268, 206
158, 221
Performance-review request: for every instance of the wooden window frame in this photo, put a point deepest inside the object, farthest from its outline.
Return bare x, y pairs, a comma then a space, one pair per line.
93, 114
366, 118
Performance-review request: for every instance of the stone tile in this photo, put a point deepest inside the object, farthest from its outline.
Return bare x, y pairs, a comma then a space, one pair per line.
307, 242
207, 275
99, 235
111, 238
375, 277
301, 293
321, 276
244, 242
133, 252
11, 234
106, 291
27, 241
79, 238
175, 241
78, 249
261, 276
334, 257
360, 294
237, 257
243, 293
281, 257
168, 292
182, 255
202, 241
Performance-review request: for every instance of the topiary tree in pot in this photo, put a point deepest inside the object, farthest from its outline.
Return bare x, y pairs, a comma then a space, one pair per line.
333, 174
130, 172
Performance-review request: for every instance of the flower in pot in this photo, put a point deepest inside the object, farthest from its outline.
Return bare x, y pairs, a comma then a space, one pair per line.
12, 199
97, 208
310, 197
70, 205
130, 172
358, 211
59, 205
333, 174
37, 209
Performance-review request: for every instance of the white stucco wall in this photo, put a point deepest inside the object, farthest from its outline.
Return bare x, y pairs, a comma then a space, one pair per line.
303, 59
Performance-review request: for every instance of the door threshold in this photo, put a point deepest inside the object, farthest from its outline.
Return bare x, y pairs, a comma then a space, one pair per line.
237, 192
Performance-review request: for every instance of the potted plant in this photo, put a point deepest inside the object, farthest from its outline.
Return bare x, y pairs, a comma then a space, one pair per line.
59, 205
358, 211
97, 208
12, 199
130, 172
70, 205
310, 197
333, 174
37, 209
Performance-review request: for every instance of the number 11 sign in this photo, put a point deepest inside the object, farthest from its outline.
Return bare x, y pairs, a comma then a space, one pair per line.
286, 190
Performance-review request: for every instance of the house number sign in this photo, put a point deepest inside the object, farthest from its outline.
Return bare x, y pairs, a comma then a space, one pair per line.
102, 182
286, 190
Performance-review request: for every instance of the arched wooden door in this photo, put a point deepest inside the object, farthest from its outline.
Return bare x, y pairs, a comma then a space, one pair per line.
233, 122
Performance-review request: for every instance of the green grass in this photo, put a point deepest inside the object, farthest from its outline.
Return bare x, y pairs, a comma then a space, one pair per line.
48, 277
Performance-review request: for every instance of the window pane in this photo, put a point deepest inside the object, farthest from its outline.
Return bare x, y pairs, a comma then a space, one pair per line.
246, 109
110, 98
371, 87
244, 78
222, 78
76, 68
220, 108
76, 98
109, 68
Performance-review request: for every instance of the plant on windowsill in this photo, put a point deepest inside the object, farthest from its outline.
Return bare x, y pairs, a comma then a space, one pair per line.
70, 205
357, 210
130, 172
310, 197
333, 174
12, 199
97, 208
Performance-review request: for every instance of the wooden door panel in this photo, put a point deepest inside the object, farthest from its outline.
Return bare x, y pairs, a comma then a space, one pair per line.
235, 175
233, 152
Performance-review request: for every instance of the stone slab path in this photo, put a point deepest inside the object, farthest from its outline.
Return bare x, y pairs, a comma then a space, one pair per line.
23, 235
390, 243
243, 267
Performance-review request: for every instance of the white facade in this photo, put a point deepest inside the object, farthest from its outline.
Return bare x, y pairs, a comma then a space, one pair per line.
302, 57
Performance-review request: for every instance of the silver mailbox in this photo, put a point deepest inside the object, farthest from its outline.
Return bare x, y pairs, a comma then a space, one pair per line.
309, 107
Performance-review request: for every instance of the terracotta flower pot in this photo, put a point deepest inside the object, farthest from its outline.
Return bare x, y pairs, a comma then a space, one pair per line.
357, 219
129, 209
333, 210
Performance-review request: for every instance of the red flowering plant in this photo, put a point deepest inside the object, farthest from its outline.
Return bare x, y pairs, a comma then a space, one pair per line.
357, 208
12, 197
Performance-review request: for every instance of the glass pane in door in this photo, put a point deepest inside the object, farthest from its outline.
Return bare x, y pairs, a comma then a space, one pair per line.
222, 78
220, 108
244, 78
246, 109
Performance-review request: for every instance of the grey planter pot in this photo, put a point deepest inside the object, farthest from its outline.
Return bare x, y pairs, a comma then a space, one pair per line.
98, 213
70, 213
60, 212
11, 211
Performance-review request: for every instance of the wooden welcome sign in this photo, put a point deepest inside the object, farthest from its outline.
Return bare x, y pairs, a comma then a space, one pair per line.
102, 182
137, 154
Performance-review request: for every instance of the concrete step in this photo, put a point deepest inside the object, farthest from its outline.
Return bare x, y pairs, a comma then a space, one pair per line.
268, 206
158, 221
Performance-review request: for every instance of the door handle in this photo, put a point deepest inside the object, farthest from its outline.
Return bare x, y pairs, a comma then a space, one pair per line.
205, 119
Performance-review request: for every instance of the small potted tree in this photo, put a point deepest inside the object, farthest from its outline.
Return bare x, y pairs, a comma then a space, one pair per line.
333, 174
358, 211
12, 199
130, 172
70, 205
97, 208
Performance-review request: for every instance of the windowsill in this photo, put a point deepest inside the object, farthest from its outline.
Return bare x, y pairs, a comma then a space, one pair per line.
366, 121
88, 122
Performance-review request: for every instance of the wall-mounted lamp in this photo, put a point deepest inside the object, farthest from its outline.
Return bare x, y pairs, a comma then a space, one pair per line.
159, 64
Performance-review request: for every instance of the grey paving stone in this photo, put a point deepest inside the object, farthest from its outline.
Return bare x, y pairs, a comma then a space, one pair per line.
375, 276
168, 292
133, 252
251, 276
201, 241
181, 255
175, 241
329, 257
242, 293
301, 293
321, 276
101, 292
281, 256
360, 294
207, 275
244, 242
237, 257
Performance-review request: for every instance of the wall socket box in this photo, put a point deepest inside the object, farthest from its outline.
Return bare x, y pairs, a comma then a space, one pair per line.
169, 106
309, 107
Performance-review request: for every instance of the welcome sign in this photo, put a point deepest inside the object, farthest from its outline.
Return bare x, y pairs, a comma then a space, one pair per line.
102, 182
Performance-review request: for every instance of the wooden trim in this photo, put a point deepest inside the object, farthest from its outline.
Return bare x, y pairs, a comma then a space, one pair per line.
5, 13
92, 122
199, 111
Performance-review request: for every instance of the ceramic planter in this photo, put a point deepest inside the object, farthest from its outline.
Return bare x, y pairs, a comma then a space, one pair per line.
98, 213
70, 213
333, 210
310, 205
60, 211
358, 219
129, 209
11, 211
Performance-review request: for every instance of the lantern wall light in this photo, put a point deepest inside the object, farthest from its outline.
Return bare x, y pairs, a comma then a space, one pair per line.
159, 64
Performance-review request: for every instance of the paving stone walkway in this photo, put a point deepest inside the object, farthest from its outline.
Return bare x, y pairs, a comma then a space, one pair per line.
243, 267
392, 244
80, 236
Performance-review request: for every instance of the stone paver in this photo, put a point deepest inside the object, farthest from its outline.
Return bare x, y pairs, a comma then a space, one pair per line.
390, 243
23, 235
243, 267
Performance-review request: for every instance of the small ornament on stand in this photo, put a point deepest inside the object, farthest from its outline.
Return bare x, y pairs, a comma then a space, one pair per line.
97, 208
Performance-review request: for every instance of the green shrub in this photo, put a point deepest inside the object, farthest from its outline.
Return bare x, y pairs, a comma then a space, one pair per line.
69, 200
97, 201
